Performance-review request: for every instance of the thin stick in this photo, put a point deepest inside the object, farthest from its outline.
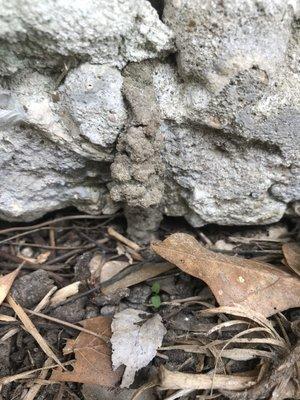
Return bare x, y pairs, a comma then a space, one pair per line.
116, 235
27, 374
32, 267
33, 391
19, 235
52, 238
28, 232
29, 326
179, 393
181, 380
55, 221
68, 324
45, 300
70, 254
61, 322
46, 246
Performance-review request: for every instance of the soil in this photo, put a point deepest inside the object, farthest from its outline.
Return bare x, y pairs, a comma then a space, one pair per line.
72, 243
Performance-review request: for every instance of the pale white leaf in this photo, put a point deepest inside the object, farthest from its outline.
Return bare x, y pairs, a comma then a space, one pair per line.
135, 340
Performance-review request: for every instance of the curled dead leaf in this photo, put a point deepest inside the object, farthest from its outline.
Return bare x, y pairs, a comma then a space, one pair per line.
291, 252
93, 357
112, 268
138, 273
40, 259
233, 280
6, 282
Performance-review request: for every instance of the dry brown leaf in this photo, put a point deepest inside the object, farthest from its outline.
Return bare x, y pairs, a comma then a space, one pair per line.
102, 270
6, 282
233, 280
148, 270
30, 328
291, 252
40, 259
93, 357
112, 268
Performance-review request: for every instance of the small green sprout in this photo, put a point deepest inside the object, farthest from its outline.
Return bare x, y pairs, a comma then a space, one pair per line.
155, 298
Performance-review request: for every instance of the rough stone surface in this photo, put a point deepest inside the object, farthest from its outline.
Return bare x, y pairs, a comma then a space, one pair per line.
92, 96
30, 289
72, 312
232, 149
35, 33
139, 294
194, 115
60, 155
218, 40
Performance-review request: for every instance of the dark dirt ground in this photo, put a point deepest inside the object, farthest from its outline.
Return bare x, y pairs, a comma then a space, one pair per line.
72, 244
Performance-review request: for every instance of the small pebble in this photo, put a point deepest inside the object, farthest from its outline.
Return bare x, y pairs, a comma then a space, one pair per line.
27, 252
139, 294
222, 245
108, 310
122, 306
164, 297
29, 289
91, 312
112, 298
72, 312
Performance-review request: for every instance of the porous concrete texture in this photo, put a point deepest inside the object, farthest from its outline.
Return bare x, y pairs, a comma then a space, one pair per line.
194, 112
47, 34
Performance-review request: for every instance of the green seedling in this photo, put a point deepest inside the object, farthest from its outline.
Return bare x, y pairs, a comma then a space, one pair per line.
155, 298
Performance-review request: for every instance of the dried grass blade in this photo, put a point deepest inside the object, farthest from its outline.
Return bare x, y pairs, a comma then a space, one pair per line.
69, 324
235, 339
243, 312
33, 391
226, 324
45, 300
237, 354
32, 329
7, 318
9, 334
27, 374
